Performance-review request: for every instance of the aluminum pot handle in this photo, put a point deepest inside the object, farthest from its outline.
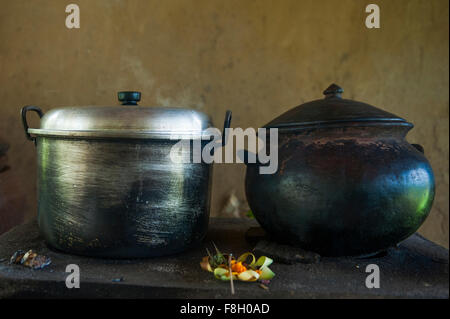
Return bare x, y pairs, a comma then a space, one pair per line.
226, 124
23, 112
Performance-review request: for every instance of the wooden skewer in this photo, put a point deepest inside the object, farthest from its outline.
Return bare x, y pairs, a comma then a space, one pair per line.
231, 273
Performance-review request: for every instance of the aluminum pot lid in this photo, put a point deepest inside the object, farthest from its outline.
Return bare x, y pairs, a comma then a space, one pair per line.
334, 110
127, 120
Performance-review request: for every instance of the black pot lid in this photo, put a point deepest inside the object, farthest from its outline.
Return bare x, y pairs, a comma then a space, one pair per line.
334, 110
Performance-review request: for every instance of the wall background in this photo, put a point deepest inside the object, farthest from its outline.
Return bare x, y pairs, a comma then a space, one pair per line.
257, 58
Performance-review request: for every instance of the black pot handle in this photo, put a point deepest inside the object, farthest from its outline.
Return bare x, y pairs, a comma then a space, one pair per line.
23, 112
226, 124
419, 148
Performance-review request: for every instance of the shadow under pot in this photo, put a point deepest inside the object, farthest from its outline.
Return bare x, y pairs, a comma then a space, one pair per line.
112, 184
347, 183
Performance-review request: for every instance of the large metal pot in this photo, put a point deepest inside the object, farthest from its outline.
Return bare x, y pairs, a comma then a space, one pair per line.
108, 186
348, 182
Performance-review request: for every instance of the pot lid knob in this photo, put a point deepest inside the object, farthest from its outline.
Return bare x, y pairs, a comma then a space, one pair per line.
129, 97
333, 90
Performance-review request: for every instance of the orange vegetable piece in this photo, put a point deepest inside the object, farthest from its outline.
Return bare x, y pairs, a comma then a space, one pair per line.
238, 267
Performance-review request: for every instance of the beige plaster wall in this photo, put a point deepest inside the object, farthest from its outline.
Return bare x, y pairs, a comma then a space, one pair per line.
258, 58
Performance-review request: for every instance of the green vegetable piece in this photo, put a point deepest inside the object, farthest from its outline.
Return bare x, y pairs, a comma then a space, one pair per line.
266, 273
263, 261
243, 258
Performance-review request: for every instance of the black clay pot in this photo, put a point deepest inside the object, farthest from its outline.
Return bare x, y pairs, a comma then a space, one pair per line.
348, 182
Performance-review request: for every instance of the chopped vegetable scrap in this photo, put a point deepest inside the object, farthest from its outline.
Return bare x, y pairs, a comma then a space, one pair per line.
264, 287
245, 268
30, 259
249, 214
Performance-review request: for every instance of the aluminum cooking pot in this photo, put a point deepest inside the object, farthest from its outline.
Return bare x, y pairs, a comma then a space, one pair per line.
108, 186
348, 182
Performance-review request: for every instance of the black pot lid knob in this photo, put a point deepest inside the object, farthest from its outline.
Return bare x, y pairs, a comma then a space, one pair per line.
129, 97
333, 90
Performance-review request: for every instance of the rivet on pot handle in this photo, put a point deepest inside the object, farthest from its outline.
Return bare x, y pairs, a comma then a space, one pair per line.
23, 112
226, 124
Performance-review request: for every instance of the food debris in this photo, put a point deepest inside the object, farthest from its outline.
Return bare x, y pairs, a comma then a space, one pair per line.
265, 282
264, 287
249, 214
30, 259
245, 268
117, 279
